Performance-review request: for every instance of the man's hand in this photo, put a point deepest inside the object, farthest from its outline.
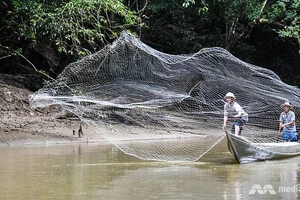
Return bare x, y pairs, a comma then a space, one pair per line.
279, 132
224, 126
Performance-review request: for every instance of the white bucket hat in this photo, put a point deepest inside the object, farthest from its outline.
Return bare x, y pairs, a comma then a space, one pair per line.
286, 104
229, 94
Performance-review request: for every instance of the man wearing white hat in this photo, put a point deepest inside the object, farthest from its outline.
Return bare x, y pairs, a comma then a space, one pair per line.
232, 108
287, 123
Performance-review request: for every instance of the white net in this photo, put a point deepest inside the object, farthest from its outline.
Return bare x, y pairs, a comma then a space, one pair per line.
158, 106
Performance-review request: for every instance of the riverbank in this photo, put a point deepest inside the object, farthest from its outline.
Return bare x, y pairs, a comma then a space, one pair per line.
20, 124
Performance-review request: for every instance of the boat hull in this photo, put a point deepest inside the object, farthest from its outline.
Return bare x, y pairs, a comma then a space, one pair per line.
246, 151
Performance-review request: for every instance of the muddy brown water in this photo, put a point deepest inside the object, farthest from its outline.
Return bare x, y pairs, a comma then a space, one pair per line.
100, 171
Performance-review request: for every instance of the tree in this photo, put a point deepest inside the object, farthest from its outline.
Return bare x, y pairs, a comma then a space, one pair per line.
72, 28
241, 16
174, 29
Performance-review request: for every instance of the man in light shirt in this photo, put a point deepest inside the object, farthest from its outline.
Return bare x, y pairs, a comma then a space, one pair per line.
233, 109
287, 123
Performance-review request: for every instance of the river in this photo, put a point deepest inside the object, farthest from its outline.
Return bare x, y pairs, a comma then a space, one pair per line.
93, 171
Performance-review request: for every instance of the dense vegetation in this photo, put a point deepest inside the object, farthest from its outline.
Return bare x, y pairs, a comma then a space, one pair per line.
40, 37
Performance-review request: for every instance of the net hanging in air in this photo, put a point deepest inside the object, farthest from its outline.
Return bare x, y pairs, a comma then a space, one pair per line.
158, 106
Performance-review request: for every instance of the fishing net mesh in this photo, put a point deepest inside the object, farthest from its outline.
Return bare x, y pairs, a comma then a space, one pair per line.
158, 106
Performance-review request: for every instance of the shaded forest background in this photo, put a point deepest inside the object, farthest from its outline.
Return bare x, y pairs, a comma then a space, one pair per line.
38, 39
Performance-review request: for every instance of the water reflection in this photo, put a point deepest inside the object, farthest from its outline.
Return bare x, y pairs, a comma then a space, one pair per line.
101, 171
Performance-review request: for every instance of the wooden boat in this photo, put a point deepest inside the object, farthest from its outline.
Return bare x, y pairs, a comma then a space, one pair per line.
246, 151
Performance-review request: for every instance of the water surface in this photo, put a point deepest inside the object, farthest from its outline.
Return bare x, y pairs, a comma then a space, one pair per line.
101, 171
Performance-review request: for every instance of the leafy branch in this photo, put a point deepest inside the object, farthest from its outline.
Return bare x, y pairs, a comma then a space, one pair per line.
14, 52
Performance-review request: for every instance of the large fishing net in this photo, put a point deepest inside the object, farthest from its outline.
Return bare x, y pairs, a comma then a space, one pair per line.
158, 106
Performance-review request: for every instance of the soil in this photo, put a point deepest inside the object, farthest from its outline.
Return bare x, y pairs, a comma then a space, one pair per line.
20, 124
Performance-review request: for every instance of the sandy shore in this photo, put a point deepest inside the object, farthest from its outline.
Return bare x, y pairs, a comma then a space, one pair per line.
15, 129
20, 124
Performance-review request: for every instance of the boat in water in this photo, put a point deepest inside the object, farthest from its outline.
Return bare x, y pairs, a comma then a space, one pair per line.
245, 150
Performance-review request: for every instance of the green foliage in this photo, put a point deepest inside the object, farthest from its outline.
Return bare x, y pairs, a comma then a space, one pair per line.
286, 13
239, 14
291, 31
74, 27
202, 5
244, 27
175, 29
